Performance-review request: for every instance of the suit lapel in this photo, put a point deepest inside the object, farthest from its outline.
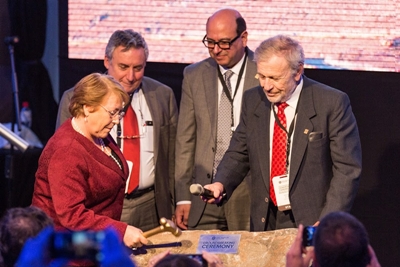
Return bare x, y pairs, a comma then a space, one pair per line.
210, 81
251, 69
303, 127
124, 172
263, 114
151, 100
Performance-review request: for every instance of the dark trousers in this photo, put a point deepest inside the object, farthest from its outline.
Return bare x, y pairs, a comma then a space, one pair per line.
279, 219
233, 215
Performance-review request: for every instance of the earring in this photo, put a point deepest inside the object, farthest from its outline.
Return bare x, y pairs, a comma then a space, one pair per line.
86, 116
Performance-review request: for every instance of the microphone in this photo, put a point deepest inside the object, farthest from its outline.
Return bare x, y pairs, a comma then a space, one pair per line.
10, 40
199, 190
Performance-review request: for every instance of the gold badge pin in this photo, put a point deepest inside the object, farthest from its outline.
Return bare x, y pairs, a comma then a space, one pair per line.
306, 131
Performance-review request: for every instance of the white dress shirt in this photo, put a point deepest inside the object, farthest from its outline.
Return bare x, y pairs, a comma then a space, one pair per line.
147, 167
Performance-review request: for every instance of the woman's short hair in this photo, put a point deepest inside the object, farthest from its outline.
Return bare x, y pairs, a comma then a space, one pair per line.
92, 89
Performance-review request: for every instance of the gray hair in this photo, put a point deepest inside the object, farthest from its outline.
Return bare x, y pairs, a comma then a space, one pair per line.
128, 39
284, 46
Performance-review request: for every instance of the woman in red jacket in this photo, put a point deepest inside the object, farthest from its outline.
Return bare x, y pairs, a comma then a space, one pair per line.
80, 181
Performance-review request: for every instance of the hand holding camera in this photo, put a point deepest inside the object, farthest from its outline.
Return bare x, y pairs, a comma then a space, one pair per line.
59, 248
298, 255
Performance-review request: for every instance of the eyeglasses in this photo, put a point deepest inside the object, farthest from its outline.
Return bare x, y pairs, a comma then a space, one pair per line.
119, 113
225, 45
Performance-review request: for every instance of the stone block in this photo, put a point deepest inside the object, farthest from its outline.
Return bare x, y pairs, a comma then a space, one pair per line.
256, 249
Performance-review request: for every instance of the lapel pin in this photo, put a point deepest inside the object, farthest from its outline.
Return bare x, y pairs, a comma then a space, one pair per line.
306, 131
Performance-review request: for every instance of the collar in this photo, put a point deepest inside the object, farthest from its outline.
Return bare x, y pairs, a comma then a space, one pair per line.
294, 99
137, 90
235, 69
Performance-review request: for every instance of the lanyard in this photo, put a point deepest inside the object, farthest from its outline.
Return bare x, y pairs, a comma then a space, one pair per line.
119, 130
226, 90
289, 134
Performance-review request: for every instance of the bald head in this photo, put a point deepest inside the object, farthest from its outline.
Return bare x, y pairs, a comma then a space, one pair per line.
228, 17
227, 25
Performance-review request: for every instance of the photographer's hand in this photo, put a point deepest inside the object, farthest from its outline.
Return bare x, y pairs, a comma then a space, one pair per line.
212, 259
36, 252
155, 259
374, 260
294, 257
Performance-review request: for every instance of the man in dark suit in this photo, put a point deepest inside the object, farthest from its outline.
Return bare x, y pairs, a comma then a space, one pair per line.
321, 150
155, 106
201, 141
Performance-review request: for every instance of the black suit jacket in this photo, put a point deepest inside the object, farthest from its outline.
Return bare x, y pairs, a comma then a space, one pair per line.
325, 161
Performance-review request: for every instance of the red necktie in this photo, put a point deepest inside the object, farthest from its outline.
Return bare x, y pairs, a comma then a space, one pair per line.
279, 142
132, 146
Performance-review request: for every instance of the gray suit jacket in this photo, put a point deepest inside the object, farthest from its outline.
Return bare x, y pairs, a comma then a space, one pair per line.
325, 167
197, 128
164, 112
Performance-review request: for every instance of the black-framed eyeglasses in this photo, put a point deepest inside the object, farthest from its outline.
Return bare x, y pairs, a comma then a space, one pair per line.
223, 44
119, 113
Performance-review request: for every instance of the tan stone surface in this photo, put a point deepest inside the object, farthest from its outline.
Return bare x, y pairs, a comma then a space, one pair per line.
256, 249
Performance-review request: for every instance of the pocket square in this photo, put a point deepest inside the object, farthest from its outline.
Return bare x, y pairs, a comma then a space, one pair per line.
314, 136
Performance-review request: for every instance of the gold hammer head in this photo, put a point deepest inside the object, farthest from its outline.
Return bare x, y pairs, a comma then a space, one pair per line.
169, 226
165, 226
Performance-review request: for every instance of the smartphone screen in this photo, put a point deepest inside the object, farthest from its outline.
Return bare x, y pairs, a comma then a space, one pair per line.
308, 235
76, 245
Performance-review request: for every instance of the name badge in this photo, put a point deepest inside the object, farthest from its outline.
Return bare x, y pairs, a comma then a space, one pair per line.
281, 187
222, 244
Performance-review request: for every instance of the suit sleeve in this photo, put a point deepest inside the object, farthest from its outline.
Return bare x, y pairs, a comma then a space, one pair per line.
345, 150
173, 121
185, 142
63, 108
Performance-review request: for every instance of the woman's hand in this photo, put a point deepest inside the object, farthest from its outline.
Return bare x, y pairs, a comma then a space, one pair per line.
133, 237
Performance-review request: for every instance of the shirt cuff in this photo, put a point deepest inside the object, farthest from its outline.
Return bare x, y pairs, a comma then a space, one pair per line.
184, 202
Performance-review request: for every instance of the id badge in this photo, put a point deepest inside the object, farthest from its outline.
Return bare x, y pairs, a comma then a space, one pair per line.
130, 167
148, 141
281, 187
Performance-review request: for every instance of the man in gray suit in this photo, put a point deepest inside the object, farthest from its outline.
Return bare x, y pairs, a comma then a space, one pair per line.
200, 144
322, 151
157, 114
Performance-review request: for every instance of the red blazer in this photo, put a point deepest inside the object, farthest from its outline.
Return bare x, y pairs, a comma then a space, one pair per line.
78, 185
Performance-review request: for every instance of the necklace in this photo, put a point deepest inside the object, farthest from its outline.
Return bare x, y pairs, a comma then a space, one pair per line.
102, 145
108, 153
76, 127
